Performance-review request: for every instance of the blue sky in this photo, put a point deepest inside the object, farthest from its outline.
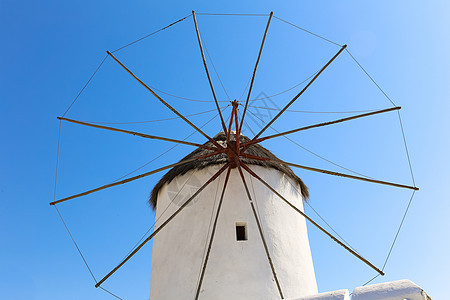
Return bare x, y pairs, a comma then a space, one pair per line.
50, 48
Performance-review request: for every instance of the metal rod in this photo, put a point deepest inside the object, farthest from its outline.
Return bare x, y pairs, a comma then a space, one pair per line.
254, 70
212, 235
163, 224
345, 175
301, 92
266, 249
207, 72
313, 222
164, 102
135, 177
137, 134
245, 145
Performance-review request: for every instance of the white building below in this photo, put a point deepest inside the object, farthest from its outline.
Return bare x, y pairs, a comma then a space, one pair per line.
394, 290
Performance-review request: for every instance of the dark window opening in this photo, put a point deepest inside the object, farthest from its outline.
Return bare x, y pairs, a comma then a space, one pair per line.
241, 231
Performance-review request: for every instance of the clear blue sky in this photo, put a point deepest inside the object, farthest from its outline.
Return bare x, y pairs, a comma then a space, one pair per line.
50, 48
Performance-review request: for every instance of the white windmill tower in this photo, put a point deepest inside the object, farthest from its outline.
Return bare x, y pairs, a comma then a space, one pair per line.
235, 239
230, 221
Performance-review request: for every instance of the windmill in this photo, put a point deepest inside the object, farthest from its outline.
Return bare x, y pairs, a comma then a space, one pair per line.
236, 160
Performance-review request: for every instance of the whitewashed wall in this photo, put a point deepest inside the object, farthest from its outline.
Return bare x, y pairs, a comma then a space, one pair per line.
394, 290
236, 269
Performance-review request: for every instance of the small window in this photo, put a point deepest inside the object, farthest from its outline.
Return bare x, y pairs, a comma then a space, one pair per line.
241, 231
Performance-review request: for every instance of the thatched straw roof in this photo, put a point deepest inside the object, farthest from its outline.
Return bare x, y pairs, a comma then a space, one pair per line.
254, 149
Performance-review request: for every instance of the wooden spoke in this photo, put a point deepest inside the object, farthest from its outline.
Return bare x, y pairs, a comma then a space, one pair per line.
254, 71
245, 145
344, 175
164, 102
212, 234
233, 112
207, 72
301, 92
266, 249
135, 177
214, 177
236, 123
253, 156
312, 221
138, 134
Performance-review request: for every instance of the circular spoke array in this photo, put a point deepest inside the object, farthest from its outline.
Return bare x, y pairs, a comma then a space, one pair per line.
235, 151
